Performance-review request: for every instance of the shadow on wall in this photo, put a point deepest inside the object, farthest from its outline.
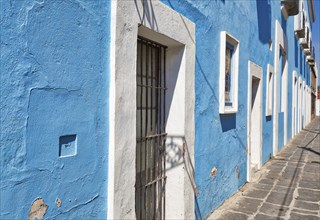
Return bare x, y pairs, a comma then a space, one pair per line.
268, 118
173, 66
228, 122
174, 150
177, 153
147, 13
197, 209
264, 20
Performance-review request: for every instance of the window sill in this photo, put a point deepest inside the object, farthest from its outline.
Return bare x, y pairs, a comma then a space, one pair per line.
229, 110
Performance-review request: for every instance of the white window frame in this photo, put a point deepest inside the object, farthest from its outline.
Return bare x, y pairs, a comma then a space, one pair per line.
269, 92
226, 38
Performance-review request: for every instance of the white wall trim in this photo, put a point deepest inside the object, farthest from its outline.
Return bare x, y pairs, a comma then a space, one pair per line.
253, 71
294, 103
166, 24
299, 19
111, 162
269, 90
285, 122
299, 104
308, 104
280, 41
224, 39
304, 103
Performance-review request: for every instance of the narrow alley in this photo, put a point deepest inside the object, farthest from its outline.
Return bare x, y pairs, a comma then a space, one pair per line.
287, 187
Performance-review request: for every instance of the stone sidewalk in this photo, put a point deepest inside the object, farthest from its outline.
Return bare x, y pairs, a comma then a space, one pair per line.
287, 187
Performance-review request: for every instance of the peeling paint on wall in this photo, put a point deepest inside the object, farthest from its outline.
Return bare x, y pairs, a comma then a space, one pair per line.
213, 171
58, 202
38, 209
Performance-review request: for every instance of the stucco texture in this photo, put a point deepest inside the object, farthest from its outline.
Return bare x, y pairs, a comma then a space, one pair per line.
221, 140
54, 82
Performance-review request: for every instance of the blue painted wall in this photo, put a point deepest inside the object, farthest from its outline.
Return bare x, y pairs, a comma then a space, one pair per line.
54, 82
55, 79
297, 62
221, 140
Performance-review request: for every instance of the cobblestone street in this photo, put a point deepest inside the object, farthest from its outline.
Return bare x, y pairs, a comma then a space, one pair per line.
287, 187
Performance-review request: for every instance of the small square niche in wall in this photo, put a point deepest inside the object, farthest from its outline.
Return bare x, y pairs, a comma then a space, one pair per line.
68, 145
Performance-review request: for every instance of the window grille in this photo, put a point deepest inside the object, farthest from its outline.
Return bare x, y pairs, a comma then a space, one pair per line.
150, 130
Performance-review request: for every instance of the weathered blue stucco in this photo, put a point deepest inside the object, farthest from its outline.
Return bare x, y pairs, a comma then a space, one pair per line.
297, 62
54, 82
221, 140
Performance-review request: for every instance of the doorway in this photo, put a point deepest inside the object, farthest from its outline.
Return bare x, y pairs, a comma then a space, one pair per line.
254, 119
150, 130
178, 35
295, 102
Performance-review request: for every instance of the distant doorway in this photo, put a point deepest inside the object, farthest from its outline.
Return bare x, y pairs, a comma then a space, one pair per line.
295, 105
254, 119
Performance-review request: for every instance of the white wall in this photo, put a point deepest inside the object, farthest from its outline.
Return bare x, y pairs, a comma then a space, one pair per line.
318, 107
280, 41
254, 118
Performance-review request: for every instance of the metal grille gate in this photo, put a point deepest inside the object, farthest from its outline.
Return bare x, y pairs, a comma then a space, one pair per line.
150, 130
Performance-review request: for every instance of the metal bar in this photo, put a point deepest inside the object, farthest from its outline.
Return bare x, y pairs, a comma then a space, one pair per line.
154, 135
145, 40
151, 179
141, 198
152, 141
158, 131
164, 114
140, 74
144, 108
139, 214
152, 87
164, 92
146, 131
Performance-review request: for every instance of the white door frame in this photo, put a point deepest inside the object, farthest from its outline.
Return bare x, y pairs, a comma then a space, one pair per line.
253, 71
299, 104
169, 28
303, 104
280, 42
294, 103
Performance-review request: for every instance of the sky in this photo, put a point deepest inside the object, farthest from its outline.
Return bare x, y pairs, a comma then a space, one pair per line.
316, 36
